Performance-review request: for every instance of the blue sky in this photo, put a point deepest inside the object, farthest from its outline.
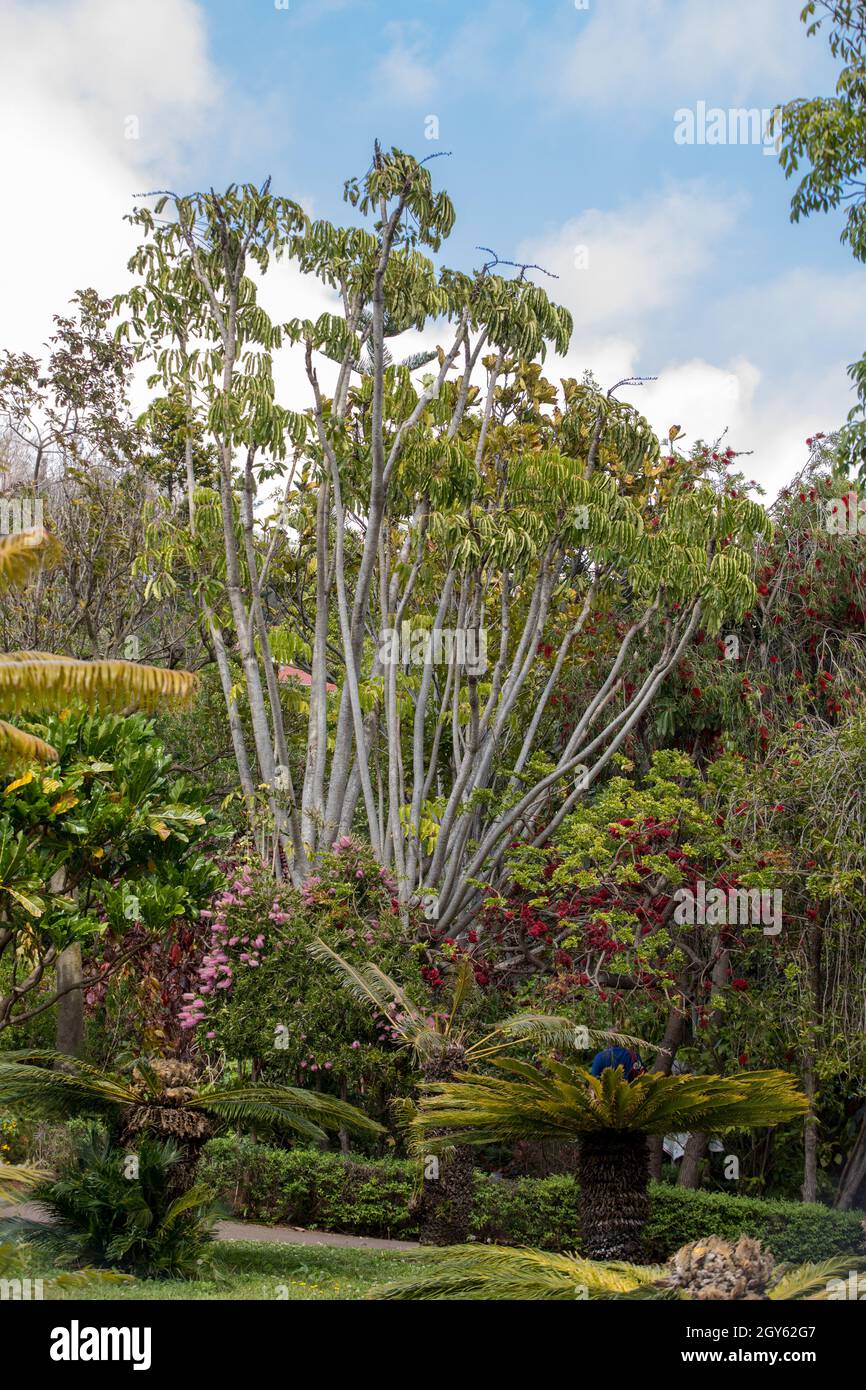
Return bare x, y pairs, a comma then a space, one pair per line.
560, 125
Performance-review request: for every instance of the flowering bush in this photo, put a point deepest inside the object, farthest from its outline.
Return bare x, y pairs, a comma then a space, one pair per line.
259, 996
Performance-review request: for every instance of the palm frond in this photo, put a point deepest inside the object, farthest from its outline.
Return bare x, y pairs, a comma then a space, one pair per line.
24, 553
367, 984
15, 1179
40, 680
561, 1100
464, 984
194, 1198
17, 749
810, 1281
285, 1106
88, 1277
559, 1034
52, 1093
493, 1272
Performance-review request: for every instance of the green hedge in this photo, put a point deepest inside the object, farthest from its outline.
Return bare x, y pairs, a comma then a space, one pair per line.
306, 1187
794, 1231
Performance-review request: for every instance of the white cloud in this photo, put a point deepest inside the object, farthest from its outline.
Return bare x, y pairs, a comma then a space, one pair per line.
615, 267
402, 74
71, 81
631, 53
654, 279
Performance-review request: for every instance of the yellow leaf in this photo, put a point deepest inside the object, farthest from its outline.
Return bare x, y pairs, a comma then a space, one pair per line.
98, 853
50, 784
64, 803
19, 782
161, 829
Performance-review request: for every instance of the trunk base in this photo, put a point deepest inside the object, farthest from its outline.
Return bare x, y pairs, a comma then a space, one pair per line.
614, 1197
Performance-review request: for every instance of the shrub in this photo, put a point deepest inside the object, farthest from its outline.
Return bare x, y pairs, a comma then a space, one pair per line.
103, 1213
260, 995
308, 1187
794, 1231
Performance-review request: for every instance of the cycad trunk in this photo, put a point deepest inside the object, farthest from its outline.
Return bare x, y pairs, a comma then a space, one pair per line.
444, 1206
167, 1115
186, 1129
614, 1198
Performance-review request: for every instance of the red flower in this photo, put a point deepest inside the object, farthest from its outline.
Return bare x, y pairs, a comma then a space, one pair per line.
740, 985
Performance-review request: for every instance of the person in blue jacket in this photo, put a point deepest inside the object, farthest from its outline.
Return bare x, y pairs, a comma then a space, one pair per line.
614, 1057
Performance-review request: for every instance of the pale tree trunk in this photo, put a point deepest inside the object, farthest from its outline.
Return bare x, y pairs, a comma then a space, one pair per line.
854, 1172
70, 1006
696, 1145
809, 1189
662, 1064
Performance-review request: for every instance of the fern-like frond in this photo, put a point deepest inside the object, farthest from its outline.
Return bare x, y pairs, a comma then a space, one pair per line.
367, 984
17, 749
16, 1179
811, 1281
289, 1107
22, 554
51, 1093
40, 680
493, 1272
561, 1100
560, 1035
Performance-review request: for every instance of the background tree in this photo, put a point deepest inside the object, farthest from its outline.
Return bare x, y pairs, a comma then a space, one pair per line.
424, 496
827, 136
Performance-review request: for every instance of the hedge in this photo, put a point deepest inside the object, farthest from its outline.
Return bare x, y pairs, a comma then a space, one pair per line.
325, 1191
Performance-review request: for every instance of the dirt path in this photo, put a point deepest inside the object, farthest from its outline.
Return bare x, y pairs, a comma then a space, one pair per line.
250, 1230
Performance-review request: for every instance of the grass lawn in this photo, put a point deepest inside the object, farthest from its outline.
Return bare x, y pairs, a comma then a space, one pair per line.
250, 1270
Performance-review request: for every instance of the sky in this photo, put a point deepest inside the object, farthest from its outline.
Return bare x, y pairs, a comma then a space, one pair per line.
564, 143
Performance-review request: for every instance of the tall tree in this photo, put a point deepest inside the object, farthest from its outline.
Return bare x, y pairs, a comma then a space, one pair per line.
437, 499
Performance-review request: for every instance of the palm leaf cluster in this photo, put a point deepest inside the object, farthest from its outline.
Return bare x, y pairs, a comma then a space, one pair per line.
31, 1080
492, 1273
561, 1100
95, 1213
31, 680
426, 1034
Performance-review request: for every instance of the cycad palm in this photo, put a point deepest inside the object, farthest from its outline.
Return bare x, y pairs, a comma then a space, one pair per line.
611, 1117
39, 680
443, 1044
164, 1099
